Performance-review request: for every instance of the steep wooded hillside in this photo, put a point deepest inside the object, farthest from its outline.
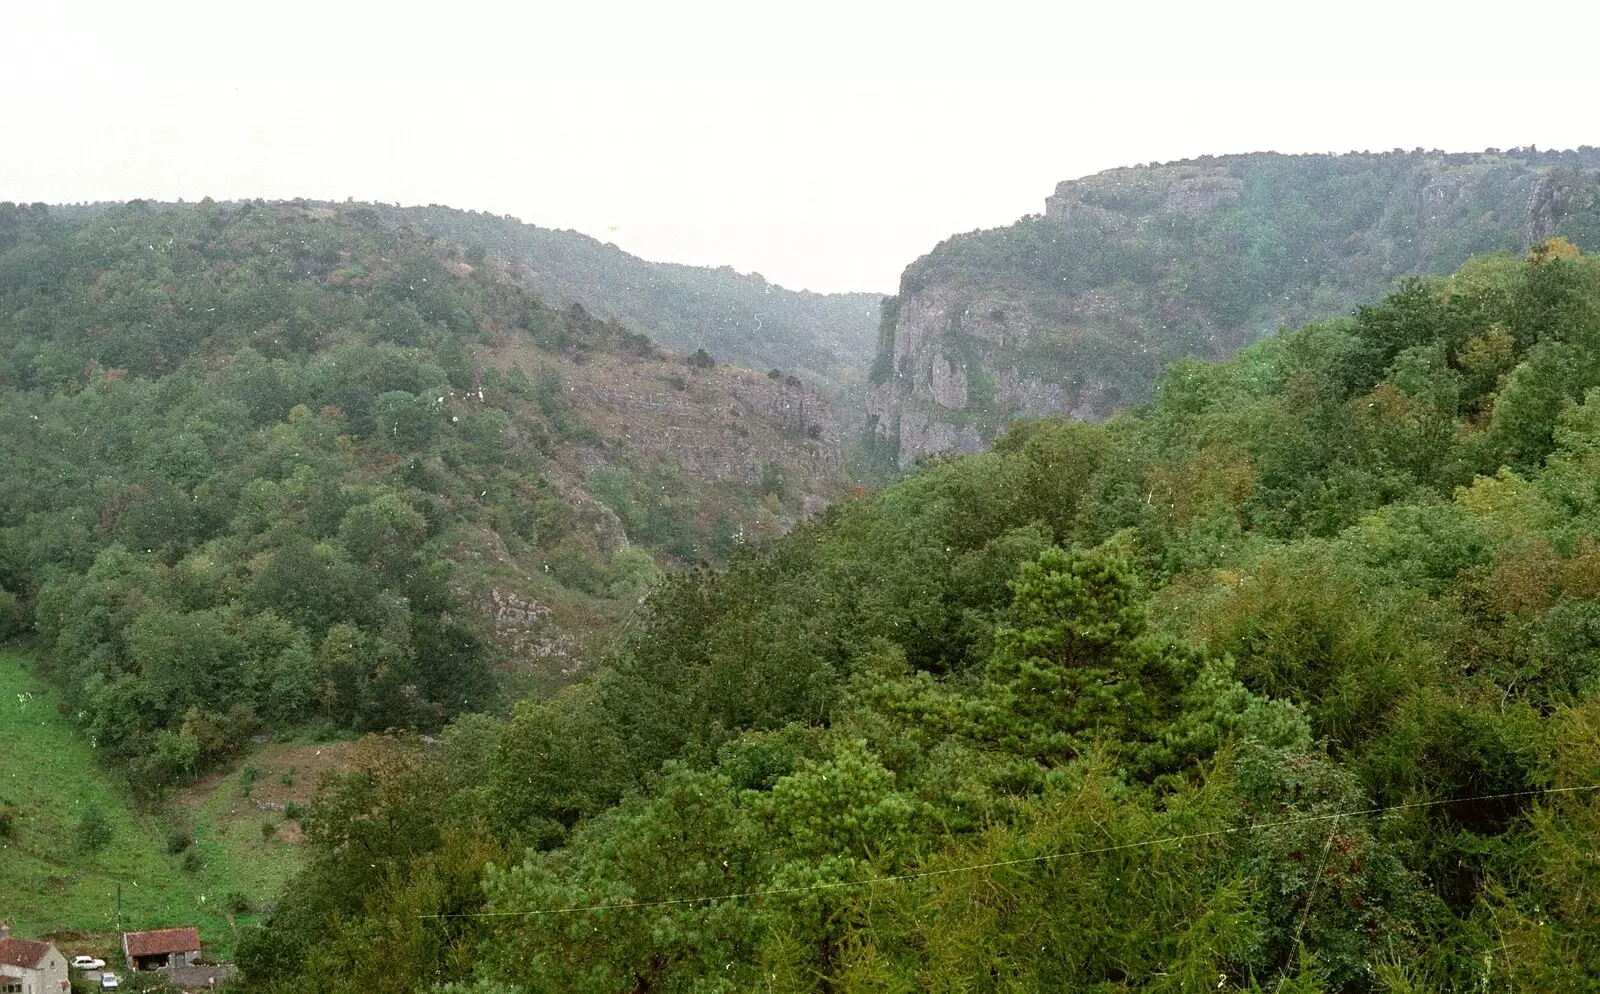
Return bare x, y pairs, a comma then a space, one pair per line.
827, 340
1289, 681
276, 464
1077, 310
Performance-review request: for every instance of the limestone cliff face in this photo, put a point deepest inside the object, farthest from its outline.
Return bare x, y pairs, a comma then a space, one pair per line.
722, 425
1076, 311
747, 452
941, 394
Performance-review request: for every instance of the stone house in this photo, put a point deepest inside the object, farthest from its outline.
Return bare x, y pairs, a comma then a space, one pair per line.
161, 948
28, 967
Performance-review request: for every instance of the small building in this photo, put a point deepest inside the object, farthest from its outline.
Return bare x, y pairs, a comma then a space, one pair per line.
161, 948
28, 967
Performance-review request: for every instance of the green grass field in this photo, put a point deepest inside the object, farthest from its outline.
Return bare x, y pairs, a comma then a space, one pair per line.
48, 883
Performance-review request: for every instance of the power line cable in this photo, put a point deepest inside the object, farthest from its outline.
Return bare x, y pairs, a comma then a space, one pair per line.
1020, 861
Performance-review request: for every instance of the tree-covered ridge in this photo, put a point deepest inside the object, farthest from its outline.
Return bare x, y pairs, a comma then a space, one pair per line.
826, 339
1080, 309
271, 465
1288, 681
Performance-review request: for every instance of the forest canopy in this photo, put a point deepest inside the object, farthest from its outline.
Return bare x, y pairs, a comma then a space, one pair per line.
251, 447
1285, 681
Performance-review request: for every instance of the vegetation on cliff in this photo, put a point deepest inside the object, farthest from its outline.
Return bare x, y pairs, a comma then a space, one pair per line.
1079, 310
1287, 681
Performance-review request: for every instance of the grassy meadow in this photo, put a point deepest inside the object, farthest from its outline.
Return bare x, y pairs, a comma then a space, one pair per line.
77, 833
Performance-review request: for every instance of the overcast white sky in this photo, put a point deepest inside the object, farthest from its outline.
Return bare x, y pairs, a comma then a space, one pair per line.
824, 144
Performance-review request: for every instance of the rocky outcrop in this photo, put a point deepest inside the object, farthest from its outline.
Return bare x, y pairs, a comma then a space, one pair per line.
1564, 202
1076, 311
940, 390
1183, 189
747, 453
715, 424
720, 425
526, 630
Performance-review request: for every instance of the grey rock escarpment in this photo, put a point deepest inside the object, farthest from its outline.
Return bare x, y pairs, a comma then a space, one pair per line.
1077, 311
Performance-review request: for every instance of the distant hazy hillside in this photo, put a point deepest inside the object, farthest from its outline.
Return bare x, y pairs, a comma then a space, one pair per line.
1077, 310
826, 339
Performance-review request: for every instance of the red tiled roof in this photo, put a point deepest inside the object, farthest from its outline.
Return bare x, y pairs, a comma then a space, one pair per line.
22, 952
161, 941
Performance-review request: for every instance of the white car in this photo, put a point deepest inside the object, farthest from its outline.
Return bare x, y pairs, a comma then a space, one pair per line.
88, 963
109, 982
